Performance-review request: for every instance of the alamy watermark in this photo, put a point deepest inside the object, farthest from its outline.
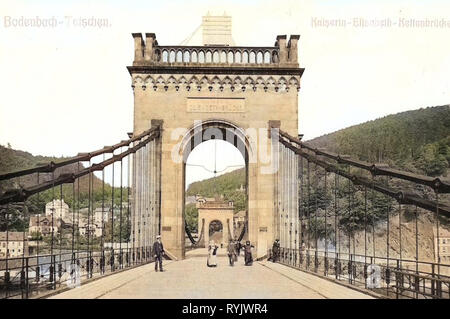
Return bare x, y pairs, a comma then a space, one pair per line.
55, 22
373, 276
255, 142
74, 279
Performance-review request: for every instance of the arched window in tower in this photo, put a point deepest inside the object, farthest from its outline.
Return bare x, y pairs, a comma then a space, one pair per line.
252, 58
208, 57
237, 57
230, 57
259, 58
223, 57
179, 56
274, 57
201, 57
216, 57
267, 57
245, 57
194, 57
186, 57
172, 56
165, 56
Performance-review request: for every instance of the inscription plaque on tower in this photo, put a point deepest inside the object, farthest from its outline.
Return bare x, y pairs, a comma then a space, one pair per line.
215, 105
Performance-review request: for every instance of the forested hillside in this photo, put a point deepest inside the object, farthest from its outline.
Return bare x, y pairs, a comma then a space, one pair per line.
14, 160
417, 141
228, 185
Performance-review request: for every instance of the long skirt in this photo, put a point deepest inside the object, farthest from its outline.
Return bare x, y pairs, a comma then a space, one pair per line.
248, 259
212, 260
231, 259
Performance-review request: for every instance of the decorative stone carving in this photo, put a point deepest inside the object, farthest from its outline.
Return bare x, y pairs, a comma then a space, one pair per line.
214, 83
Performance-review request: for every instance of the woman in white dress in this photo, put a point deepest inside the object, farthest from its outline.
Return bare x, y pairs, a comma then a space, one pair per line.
212, 255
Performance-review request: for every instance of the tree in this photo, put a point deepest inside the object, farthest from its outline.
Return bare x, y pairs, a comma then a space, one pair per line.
433, 159
316, 227
120, 234
14, 218
36, 235
191, 218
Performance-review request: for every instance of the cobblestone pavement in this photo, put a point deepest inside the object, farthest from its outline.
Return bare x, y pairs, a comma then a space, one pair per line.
191, 278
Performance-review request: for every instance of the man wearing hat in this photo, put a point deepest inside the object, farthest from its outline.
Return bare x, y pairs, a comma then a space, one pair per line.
158, 251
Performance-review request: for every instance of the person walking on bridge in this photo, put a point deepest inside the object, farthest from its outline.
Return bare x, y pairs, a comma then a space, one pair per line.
248, 253
238, 247
232, 252
212, 255
158, 251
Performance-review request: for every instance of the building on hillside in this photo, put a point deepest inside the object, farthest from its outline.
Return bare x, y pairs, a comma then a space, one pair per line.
13, 244
80, 214
117, 245
191, 200
42, 224
442, 246
59, 209
101, 215
200, 200
119, 211
239, 218
93, 229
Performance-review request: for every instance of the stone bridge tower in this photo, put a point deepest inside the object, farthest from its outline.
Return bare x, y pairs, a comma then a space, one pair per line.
234, 91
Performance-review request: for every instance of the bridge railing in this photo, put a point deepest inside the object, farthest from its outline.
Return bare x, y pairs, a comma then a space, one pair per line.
394, 279
198, 55
67, 222
368, 224
32, 276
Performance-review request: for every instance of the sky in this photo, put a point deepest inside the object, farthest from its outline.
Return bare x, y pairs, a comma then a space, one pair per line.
224, 158
65, 89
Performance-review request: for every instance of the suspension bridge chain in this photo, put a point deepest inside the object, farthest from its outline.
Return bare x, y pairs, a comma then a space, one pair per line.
334, 213
106, 227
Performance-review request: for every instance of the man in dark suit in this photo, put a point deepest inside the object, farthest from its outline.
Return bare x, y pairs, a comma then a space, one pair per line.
232, 252
275, 250
158, 251
248, 253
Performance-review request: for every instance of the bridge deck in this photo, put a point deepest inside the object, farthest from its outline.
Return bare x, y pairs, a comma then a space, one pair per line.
191, 278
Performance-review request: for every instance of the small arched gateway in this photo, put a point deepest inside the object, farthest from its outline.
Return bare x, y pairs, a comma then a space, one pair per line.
216, 219
194, 99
